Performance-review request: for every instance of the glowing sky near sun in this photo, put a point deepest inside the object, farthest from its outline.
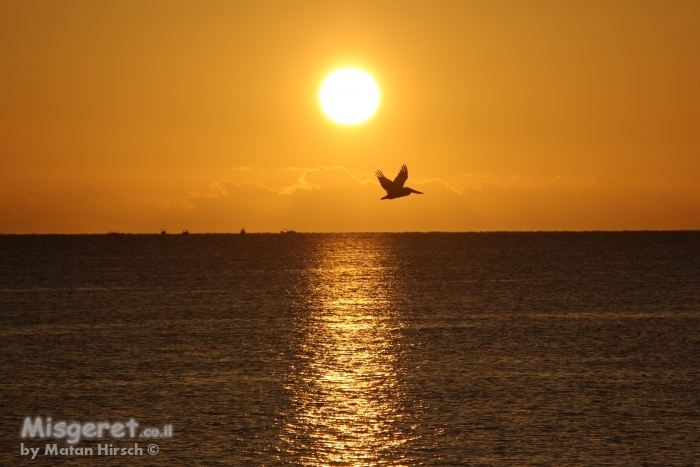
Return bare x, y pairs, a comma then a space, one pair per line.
135, 116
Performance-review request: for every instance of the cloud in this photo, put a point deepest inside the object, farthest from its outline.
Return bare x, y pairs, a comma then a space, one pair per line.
334, 199
441, 181
303, 182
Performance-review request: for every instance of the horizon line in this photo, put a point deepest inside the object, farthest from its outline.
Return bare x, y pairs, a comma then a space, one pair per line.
112, 233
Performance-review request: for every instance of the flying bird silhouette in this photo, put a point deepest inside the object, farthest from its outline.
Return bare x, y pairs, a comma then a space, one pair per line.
396, 189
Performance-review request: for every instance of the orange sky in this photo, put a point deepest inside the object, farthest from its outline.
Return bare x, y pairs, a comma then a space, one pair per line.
136, 116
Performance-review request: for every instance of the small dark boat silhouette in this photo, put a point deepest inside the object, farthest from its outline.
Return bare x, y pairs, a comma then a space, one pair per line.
288, 231
162, 231
395, 189
185, 232
243, 231
112, 232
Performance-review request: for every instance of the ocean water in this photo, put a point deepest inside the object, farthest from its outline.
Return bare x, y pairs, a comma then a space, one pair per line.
356, 349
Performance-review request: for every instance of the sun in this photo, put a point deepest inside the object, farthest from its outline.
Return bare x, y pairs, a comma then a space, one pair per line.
349, 96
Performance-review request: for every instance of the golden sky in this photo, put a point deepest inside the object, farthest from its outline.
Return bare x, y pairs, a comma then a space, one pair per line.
511, 115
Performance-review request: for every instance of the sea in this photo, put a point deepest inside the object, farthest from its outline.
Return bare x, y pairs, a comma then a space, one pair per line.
376, 349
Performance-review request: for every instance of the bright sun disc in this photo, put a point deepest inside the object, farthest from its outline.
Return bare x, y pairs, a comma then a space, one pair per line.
349, 96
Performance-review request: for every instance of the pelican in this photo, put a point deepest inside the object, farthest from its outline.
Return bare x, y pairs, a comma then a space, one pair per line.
396, 189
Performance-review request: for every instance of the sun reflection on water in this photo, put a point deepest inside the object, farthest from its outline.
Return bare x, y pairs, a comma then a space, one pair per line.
348, 401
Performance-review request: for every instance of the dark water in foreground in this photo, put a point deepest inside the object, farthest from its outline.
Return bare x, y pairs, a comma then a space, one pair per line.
358, 349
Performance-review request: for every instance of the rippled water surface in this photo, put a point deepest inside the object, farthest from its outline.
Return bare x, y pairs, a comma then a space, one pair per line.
358, 349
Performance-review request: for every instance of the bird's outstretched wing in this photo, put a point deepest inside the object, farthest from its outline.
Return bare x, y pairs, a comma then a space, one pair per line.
383, 181
401, 177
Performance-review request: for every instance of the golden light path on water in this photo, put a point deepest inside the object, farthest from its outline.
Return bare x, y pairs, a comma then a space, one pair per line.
349, 405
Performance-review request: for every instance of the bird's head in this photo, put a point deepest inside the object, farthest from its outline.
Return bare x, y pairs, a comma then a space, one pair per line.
407, 191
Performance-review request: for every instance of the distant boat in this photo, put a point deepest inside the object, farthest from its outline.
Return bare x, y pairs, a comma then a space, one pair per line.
162, 231
112, 232
243, 231
288, 231
185, 232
